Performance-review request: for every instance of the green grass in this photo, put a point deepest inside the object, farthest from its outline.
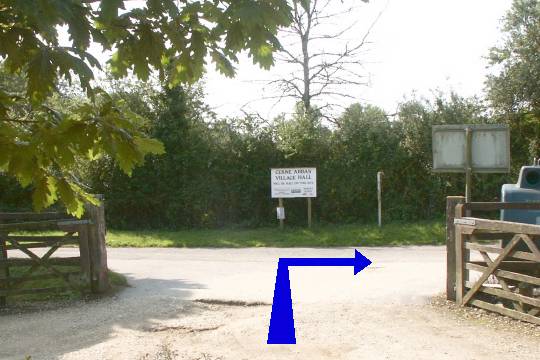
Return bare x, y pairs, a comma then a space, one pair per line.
421, 233
394, 234
116, 280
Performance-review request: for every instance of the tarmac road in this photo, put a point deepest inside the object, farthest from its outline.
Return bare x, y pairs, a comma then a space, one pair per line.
381, 313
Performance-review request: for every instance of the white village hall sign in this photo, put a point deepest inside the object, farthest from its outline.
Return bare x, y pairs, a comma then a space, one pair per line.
294, 182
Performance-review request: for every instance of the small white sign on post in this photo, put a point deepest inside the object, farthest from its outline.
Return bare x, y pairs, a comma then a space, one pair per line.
294, 182
280, 213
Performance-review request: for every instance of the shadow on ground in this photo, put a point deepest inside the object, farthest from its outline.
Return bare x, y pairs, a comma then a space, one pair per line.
54, 331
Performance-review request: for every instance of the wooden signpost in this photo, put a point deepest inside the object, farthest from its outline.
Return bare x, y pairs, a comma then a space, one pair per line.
309, 212
293, 183
281, 213
380, 175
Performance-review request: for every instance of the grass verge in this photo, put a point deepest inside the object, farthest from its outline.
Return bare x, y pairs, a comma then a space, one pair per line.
117, 281
394, 234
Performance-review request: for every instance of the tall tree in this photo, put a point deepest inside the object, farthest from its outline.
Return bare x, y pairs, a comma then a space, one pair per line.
514, 89
40, 145
323, 62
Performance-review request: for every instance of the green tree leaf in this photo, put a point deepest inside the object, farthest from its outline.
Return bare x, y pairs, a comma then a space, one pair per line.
149, 146
45, 143
44, 193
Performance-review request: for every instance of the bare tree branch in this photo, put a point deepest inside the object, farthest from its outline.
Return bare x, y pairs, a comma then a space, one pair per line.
322, 68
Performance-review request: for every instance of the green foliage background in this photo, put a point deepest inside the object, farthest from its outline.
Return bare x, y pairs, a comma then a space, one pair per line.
216, 172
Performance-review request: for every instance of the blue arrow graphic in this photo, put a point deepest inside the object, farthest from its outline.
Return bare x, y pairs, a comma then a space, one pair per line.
281, 330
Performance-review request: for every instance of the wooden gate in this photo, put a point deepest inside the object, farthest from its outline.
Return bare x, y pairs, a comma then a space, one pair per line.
26, 257
508, 280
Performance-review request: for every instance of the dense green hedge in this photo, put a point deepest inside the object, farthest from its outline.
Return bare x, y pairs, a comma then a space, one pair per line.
217, 172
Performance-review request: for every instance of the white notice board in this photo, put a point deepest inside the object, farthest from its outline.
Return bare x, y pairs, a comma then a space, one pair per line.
294, 182
490, 148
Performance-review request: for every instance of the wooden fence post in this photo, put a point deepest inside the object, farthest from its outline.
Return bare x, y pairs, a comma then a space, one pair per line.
451, 202
309, 212
280, 220
380, 175
4, 270
97, 249
460, 267
84, 251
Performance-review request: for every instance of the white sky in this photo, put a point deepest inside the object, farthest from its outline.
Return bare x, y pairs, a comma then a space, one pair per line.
416, 46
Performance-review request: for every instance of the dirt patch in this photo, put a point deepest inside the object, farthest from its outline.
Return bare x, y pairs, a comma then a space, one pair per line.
164, 352
419, 332
487, 318
231, 302
380, 314
182, 328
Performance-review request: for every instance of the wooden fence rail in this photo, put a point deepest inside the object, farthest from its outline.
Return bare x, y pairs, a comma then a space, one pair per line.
88, 235
508, 279
457, 208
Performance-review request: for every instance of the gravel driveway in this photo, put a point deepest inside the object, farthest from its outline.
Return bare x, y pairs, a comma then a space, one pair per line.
215, 304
